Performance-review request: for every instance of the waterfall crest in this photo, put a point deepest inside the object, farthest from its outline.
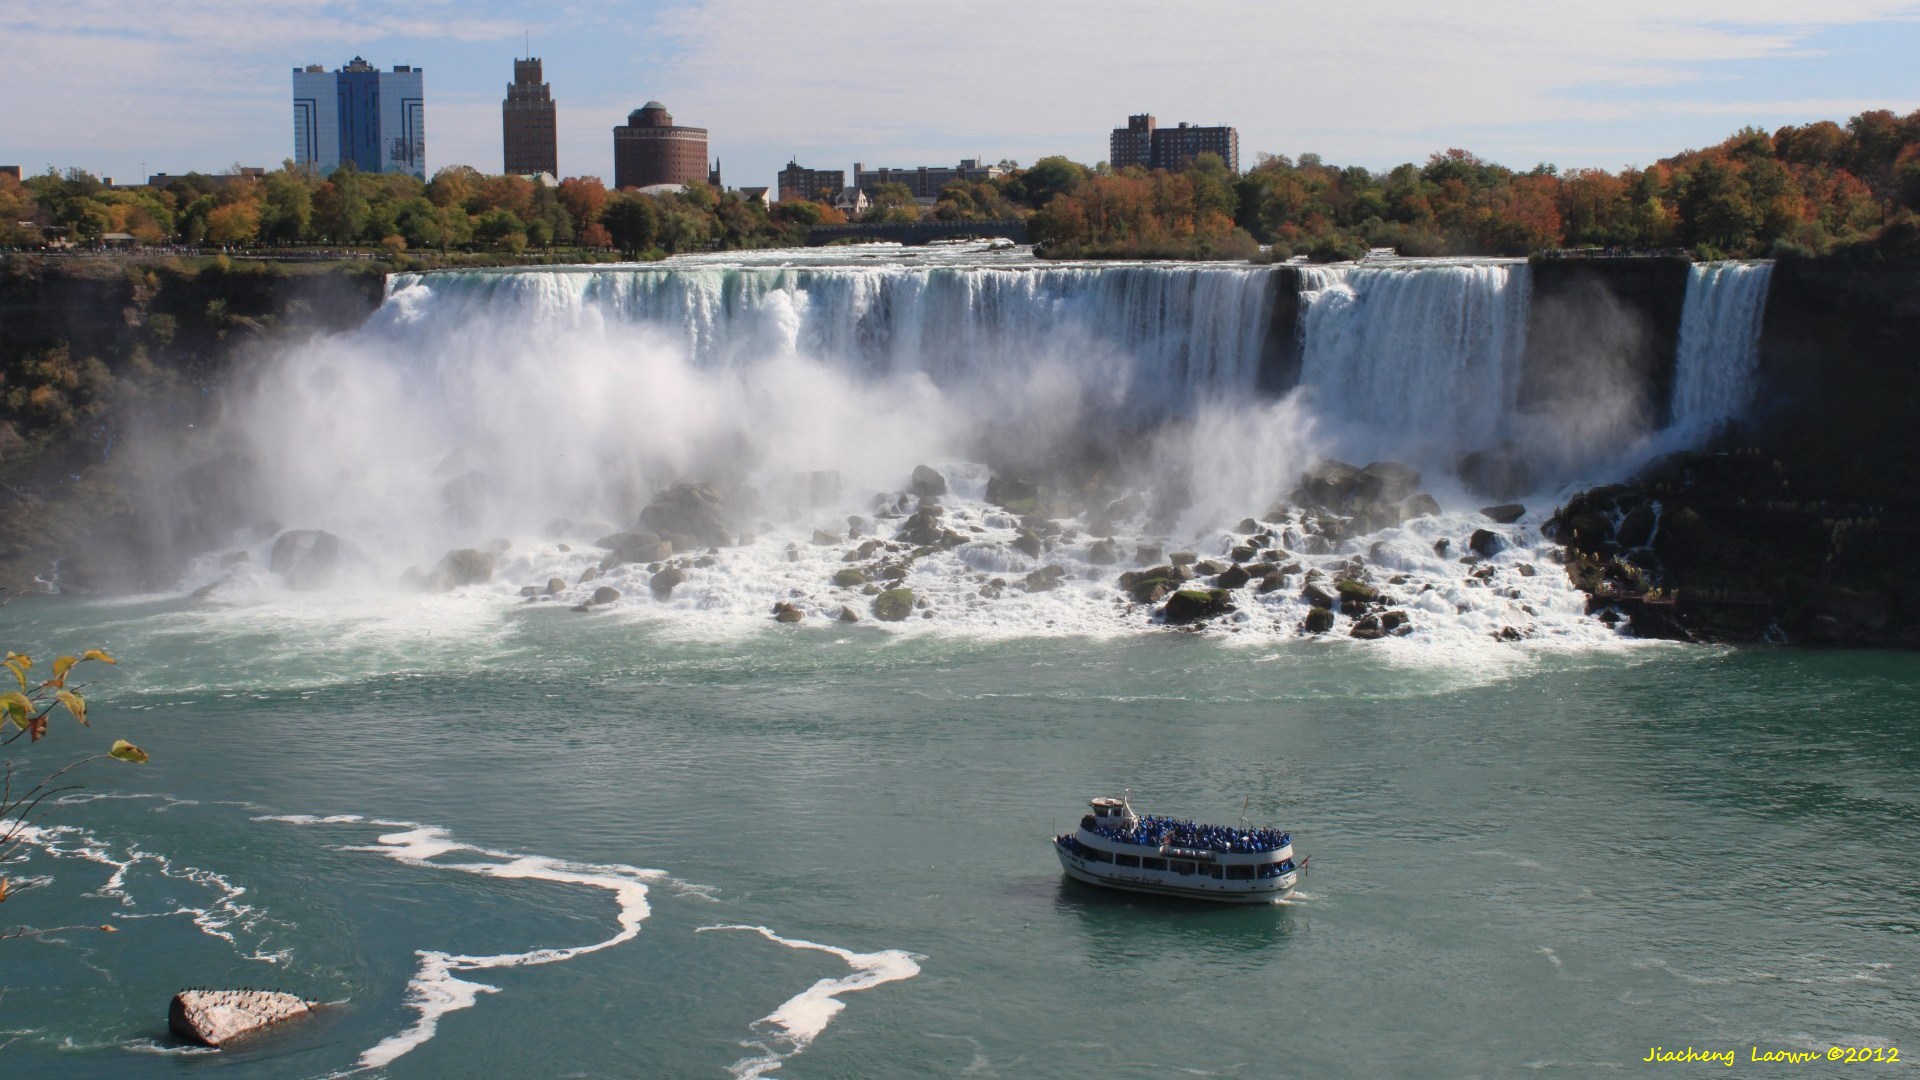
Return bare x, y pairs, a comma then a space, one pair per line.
1154, 339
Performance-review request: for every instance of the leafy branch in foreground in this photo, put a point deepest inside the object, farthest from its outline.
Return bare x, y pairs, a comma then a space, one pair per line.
26, 711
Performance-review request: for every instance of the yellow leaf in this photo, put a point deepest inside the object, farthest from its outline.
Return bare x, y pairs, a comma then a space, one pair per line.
122, 750
3, 890
19, 672
75, 704
96, 654
61, 667
18, 708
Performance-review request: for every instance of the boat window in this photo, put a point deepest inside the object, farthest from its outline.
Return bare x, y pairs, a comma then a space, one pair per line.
1183, 868
1213, 871
1095, 854
1239, 873
1126, 860
1153, 864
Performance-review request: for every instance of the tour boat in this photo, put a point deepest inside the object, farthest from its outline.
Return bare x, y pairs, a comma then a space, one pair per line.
1119, 849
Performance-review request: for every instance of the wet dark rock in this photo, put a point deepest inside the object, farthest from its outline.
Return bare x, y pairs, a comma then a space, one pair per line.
1442, 546
785, 611
1183, 558
1191, 605
1233, 577
848, 615
1273, 583
850, 578
1318, 621
306, 558
1319, 595
1419, 504
462, 567
1356, 595
1505, 513
1248, 525
632, 547
923, 528
663, 583
823, 538
893, 605
1019, 495
1395, 622
695, 510
1101, 553
605, 594
1207, 567
1368, 628
1046, 578
1027, 544
1244, 553
928, 482
1486, 543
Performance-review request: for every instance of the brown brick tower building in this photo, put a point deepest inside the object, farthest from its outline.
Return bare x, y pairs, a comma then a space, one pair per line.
651, 150
526, 119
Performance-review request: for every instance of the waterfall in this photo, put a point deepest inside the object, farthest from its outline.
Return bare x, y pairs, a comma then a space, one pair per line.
1423, 357
1153, 339
1719, 342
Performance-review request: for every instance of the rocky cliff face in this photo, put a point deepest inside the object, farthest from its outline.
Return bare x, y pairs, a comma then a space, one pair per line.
1800, 523
94, 351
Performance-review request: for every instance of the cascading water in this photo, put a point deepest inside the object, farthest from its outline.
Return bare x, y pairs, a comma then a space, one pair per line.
1719, 343
1426, 358
531, 413
1154, 339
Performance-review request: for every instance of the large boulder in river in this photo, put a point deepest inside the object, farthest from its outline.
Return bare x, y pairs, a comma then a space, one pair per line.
306, 558
694, 510
633, 547
662, 583
1191, 605
461, 567
1505, 513
1019, 495
927, 481
893, 605
1486, 543
217, 1017
1386, 481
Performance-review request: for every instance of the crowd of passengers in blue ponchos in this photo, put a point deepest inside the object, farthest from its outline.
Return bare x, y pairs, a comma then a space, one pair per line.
1187, 834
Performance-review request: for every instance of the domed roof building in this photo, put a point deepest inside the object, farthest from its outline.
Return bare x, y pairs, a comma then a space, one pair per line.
650, 149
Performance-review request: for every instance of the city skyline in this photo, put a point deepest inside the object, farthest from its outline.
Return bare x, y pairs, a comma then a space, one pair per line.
1610, 88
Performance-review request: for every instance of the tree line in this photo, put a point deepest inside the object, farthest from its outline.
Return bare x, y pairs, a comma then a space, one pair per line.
1799, 190
458, 209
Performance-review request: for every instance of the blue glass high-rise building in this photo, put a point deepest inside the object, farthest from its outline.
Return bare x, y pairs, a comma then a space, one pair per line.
375, 119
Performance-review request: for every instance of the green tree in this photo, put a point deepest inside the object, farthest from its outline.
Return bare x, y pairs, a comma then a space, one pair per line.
631, 220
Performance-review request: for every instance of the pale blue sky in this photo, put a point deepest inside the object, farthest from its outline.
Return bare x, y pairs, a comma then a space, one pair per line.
201, 84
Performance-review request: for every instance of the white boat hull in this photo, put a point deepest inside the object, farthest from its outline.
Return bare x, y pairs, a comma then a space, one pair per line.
1166, 883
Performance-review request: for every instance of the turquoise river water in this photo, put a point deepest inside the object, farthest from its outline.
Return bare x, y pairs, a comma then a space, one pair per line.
829, 849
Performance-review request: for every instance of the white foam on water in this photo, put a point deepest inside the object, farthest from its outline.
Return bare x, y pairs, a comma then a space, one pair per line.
437, 987
134, 872
801, 1018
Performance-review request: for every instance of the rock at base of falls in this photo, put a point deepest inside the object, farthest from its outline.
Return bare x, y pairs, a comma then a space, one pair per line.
217, 1017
